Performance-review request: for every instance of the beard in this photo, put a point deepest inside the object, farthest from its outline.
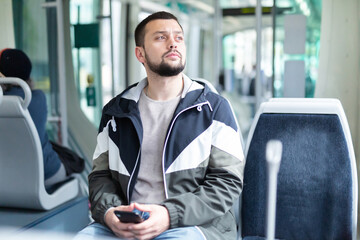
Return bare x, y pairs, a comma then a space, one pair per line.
164, 69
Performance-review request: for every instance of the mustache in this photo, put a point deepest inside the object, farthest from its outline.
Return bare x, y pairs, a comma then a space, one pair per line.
172, 51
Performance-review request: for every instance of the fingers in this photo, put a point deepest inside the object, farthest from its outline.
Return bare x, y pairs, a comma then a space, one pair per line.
125, 207
141, 228
143, 207
146, 233
126, 230
120, 229
149, 229
155, 225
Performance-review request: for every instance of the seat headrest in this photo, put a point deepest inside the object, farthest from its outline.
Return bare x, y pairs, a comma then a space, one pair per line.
17, 81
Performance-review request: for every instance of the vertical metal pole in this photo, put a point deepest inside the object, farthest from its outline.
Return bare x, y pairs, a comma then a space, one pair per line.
112, 51
62, 70
217, 40
127, 45
258, 84
274, 15
61, 67
273, 159
78, 58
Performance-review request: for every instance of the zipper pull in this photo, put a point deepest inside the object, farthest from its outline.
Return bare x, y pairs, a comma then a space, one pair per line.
113, 124
199, 108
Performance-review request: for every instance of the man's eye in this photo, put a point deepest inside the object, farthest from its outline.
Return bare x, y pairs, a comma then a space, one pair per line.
161, 37
180, 38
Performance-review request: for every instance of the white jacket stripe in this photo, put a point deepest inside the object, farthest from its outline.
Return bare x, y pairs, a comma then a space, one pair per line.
218, 135
227, 139
104, 143
194, 154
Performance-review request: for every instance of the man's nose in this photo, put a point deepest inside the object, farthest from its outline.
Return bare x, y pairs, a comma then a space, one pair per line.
172, 44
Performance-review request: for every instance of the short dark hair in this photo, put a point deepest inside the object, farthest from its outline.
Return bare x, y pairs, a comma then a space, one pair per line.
140, 29
15, 63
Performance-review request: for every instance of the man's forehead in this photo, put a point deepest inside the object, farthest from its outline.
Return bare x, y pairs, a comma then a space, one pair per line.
163, 25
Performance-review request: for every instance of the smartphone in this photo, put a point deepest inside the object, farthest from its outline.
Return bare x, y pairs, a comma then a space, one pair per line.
129, 217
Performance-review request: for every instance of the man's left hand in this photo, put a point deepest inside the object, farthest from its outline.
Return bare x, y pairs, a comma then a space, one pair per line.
158, 222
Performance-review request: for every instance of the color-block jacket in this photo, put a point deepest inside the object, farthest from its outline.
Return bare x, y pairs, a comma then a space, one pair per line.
202, 159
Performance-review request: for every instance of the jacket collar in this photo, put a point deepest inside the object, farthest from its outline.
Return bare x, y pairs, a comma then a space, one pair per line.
125, 103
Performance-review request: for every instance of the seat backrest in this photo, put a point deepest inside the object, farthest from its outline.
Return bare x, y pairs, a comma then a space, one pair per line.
21, 158
317, 180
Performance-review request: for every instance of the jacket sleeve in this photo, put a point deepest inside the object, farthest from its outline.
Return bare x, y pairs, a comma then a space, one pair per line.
103, 191
223, 179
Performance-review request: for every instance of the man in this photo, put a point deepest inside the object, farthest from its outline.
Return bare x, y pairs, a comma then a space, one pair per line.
167, 146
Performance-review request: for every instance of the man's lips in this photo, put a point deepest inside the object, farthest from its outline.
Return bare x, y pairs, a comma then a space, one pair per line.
173, 54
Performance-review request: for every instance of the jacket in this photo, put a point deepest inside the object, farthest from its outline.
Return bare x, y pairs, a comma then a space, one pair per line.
202, 161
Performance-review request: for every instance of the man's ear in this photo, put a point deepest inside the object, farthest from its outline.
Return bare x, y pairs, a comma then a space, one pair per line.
140, 54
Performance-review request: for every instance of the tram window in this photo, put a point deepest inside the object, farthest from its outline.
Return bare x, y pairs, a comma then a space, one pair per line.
239, 72
102, 65
36, 36
112, 55
86, 58
312, 13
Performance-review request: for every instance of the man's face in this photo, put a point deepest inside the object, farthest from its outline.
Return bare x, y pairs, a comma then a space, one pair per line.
164, 47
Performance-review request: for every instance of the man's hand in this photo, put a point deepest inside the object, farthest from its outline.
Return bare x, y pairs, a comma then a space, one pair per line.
120, 229
158, 222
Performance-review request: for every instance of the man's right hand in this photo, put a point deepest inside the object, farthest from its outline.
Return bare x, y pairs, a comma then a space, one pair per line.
119, 228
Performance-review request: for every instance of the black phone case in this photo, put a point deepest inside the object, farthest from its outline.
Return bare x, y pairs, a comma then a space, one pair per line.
128, 217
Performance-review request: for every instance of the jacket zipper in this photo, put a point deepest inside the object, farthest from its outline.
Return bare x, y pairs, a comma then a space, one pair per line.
199, 108
132, 175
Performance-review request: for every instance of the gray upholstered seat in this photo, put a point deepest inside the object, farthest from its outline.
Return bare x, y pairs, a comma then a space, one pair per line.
21, 158
317, 181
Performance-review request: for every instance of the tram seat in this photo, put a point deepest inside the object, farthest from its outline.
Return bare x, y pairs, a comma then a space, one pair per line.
21, 158
317, 180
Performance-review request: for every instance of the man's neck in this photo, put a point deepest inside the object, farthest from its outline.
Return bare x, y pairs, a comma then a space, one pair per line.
164, 88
